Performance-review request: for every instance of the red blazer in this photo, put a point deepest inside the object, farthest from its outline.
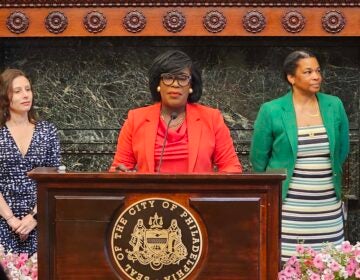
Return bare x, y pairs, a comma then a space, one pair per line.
209, 139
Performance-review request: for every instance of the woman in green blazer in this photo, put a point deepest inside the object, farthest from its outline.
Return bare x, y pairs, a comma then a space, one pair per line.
307, 133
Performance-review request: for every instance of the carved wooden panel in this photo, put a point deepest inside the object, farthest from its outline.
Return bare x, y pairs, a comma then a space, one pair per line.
176, 3
180, 21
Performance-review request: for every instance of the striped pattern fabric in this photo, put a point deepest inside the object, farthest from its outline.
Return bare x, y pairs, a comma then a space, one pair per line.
311, 213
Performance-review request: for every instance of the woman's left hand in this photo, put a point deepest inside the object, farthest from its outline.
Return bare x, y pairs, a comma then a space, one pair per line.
28, 223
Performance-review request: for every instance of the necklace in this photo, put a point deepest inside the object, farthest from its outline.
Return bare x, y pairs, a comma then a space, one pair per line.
315, 108
175, 123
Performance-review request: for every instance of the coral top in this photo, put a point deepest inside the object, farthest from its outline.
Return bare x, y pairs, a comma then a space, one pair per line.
176, 151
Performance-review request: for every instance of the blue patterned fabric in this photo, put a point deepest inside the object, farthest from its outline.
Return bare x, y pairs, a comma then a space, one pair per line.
18, 190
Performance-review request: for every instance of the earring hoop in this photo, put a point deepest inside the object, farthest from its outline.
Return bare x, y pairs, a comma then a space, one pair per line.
158, 89
191, 90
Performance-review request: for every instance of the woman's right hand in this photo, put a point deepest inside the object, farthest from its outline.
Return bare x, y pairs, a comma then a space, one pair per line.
123, 168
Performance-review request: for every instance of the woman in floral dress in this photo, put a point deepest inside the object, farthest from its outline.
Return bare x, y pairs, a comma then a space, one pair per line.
25, 144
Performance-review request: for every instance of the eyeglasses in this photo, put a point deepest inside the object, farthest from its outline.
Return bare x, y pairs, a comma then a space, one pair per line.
168, 79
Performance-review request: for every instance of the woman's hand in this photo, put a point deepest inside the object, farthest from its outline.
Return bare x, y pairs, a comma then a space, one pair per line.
123, 168
27, 224
14, 223
23, 237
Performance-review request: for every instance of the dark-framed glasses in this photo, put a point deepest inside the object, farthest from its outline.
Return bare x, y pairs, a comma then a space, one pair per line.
168, 79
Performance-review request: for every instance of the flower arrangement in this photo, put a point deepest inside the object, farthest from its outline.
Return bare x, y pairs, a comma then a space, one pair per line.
19, 266
331, 263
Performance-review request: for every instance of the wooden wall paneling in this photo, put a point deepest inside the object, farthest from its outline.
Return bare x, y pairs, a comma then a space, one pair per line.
183, 21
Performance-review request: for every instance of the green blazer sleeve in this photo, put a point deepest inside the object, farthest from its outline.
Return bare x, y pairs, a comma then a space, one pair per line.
262, 140
344, 133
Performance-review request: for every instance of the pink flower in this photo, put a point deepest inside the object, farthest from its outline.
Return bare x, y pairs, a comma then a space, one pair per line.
4, 263
315, 276
300, 249
34, 272
357, 252
334, 266
329, 277
311, 252
332, 262
292, 261
318, 263
282, 277
19, 263
19, 266
350, 270
346, 247
289, 271
23, 257
25, 270
357, 273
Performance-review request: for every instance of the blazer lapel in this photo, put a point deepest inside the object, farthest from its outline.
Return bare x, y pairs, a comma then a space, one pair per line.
194, 133
289, 121
152, 123
327, 114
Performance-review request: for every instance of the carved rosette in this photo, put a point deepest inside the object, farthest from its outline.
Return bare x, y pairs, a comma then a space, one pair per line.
333, 21
95, 22
17, 22
56, 22
174, 21
177, 3
254, 21
214, 21
293, 21
134, 21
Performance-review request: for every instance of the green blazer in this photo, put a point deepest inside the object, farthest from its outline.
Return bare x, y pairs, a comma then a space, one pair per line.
274, 144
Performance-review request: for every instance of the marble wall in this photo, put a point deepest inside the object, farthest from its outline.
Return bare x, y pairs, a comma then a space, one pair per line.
86, 86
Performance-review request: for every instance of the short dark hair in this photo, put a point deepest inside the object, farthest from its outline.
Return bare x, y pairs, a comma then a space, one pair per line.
174, 61
291, 62
6, 81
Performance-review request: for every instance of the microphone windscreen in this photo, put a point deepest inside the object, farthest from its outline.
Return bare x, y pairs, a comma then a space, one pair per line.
173, 115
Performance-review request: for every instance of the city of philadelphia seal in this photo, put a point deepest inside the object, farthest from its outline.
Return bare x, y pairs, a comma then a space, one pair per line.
156, 239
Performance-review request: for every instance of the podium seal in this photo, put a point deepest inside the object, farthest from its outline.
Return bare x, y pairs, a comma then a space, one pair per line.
156, 238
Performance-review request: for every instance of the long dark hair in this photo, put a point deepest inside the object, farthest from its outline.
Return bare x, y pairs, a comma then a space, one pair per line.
6, 82
171, 62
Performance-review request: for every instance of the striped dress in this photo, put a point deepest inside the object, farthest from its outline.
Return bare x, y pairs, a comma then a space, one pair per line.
311, 213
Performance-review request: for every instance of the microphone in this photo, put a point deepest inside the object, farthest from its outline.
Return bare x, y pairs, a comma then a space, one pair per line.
173, 116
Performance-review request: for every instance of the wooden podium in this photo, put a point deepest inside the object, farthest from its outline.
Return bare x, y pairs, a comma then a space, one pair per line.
82, 216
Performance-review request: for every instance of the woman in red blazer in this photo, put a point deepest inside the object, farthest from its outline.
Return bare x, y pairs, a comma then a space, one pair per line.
175, 134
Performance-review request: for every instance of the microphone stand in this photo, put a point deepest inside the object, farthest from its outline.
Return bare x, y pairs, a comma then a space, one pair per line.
173, 116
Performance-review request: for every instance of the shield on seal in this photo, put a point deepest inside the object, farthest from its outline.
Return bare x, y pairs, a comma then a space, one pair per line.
156, 240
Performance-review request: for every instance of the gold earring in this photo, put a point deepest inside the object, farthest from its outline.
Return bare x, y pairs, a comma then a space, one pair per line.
191, 90
158, 89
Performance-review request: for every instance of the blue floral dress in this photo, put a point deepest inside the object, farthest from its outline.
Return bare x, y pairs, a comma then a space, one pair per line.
18, 190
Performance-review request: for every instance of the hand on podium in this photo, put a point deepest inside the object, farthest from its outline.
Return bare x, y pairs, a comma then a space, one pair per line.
122, 168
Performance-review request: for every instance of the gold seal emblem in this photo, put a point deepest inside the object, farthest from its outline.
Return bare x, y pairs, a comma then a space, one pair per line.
156, 239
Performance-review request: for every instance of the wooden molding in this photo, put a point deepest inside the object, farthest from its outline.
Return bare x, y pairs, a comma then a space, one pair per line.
179, 21
178, 3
